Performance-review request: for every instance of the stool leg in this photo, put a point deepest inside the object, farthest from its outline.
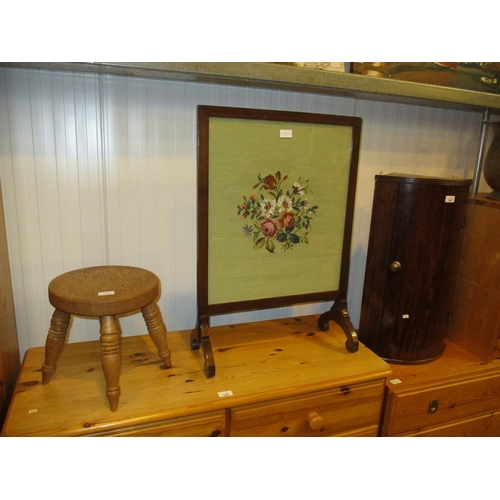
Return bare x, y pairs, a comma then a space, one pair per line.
111, 359
54, 344
157, 331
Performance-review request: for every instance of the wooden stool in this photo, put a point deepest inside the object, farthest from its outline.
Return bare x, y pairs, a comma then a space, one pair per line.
104, 291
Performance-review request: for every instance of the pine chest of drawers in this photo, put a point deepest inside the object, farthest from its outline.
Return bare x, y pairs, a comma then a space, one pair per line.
456, 395
274, 378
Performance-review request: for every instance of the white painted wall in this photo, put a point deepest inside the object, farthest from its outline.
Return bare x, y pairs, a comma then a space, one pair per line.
102, 170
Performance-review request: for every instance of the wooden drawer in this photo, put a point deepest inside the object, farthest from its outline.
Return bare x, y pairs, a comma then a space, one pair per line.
483, 425
208, 425
346, 411
462, 397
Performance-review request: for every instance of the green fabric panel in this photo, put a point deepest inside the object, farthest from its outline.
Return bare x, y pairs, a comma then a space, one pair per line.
240, 151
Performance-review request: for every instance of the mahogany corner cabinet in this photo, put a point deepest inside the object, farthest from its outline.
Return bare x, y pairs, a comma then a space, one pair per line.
416, 227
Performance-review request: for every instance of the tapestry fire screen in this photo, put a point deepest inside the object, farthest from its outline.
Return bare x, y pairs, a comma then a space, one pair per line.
275, 205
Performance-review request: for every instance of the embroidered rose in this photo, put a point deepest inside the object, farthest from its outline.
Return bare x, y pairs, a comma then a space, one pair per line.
269, 227
287, 220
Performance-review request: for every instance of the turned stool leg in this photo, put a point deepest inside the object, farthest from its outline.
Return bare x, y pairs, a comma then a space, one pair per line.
54, 344
157, 331
111, 359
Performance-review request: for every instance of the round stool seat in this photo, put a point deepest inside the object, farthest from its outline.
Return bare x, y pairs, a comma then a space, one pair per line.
103, 290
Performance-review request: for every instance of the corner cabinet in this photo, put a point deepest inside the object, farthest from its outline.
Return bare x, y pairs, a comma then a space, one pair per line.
415, 229
274, 378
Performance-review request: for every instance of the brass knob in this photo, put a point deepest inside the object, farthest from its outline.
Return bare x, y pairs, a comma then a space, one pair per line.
315, 421
395, 267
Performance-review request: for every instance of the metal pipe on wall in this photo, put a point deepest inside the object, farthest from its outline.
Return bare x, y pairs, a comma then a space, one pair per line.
480, 153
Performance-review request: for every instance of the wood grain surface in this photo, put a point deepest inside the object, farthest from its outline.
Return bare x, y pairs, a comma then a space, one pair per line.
257, 363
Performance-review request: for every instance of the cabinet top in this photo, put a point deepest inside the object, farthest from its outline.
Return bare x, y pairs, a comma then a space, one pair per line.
256, 362
482, 199
422, 179
454, 365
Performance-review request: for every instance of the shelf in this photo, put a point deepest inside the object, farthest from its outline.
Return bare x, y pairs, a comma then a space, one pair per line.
282, 77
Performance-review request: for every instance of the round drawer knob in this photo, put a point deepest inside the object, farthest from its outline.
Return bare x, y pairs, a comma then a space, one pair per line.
315, 421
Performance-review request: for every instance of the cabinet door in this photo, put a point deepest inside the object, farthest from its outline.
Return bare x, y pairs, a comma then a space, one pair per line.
426, 229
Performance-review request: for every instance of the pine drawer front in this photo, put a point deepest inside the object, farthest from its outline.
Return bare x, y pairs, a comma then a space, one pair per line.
483, 425
412, 410
209, 425
346, 411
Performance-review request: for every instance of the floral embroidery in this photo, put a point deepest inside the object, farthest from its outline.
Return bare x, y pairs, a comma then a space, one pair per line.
282, 216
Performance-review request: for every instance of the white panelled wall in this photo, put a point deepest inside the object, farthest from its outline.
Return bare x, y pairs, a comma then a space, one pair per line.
100, 169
